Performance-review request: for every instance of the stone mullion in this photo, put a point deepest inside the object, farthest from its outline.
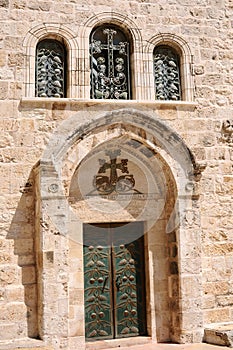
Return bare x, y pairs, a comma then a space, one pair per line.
83, 71
72, 70
187, 87
148, 88
138, 84
30, 73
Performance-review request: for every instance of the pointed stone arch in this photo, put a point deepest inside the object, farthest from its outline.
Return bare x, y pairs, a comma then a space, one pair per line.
166, 138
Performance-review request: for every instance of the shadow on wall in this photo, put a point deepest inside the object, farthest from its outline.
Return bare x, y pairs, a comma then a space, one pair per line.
22, 231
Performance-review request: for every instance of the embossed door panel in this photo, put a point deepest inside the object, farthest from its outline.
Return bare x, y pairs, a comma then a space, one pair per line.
128, 258
97, 282
114, 280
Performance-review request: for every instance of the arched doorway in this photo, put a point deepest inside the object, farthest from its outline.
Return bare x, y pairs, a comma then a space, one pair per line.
124, 194
130, 169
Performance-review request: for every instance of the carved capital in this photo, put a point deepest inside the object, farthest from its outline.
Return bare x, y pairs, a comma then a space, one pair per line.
199, 70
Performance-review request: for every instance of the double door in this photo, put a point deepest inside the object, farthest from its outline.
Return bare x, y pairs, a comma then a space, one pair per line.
114, 276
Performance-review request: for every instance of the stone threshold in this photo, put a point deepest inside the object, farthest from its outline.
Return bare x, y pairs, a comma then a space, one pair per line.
118, 343
24, 344
219, 334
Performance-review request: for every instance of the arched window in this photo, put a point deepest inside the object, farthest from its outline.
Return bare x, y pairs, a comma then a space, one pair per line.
50, 69
110, 67
167, 73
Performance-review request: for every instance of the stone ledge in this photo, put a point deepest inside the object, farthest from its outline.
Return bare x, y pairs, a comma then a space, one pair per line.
76, 103
25, 344
219, 334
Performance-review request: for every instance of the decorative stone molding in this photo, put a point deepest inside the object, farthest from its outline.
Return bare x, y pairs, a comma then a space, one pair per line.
186, 61
198, 70
64, 223
130, 27
50, 31
115, 18
75, 103
166, 138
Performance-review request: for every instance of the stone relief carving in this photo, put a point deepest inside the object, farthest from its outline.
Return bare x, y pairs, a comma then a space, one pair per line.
227, 131
228, 126
199, 70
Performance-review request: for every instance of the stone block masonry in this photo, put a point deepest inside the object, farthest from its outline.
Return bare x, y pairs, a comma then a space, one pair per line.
178, 151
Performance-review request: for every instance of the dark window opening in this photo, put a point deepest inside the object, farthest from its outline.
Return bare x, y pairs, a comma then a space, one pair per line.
50, 69
109, 61
167, 74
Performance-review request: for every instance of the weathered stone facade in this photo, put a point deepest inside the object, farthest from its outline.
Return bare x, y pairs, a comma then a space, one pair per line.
179, 153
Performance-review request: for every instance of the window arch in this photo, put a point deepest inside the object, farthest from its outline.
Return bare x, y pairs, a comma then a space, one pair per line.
167, 81
110, 63
50, 69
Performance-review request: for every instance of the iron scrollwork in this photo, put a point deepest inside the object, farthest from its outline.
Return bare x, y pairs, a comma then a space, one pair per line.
50, 67
166, 74
109, 64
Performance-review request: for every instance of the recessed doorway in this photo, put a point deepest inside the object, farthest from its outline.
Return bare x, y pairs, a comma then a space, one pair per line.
114, 280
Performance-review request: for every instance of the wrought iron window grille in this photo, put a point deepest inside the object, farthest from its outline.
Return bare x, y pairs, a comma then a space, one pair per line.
167, 74
50, 69
109, 61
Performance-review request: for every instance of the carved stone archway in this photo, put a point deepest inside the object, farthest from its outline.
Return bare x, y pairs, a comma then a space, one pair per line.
59, 226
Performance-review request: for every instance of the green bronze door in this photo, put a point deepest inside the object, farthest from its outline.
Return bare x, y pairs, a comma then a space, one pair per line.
114, 276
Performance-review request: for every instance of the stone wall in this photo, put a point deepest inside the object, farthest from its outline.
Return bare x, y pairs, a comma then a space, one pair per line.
30, 127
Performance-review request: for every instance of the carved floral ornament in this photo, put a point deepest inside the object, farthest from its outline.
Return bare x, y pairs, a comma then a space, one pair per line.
227, 131
227, 126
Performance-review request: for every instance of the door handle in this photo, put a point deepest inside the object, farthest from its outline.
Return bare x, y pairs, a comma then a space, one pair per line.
105, 282
118, 283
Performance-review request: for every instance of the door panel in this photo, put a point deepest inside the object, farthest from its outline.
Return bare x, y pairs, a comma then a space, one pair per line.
128, 253
114, 280
97, 281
